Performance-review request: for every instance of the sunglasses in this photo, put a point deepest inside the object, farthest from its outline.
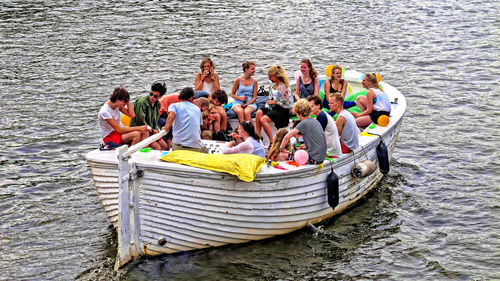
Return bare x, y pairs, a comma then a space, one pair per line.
153, 95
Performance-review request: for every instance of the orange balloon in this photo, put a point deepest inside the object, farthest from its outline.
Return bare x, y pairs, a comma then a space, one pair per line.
125, 120
383, 120
379, 78
328, 70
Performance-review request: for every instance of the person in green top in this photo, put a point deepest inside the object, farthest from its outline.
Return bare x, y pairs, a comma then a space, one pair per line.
147, 112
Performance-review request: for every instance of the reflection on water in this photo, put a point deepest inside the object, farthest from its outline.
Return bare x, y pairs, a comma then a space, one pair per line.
434, 217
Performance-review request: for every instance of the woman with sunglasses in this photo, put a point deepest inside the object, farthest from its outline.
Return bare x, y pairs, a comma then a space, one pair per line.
251, 142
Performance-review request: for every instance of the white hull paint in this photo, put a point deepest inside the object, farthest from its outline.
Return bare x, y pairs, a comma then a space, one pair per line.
191, 208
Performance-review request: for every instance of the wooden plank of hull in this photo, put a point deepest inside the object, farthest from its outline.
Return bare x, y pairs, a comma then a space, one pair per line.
105, 178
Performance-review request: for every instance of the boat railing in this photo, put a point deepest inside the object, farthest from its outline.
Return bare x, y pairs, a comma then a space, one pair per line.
144, 143
127, 222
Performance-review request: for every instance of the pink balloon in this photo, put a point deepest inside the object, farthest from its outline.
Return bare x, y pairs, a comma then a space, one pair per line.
297, 74
300, 157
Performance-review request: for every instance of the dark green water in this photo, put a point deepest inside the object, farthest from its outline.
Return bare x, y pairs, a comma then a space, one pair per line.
434, 217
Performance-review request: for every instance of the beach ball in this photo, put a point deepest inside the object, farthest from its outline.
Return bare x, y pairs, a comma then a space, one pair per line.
300, 157
379, 78
383, 120
125, 120
297, 74
328, 70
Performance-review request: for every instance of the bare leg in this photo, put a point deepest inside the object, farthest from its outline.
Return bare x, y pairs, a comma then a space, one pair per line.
258, 125
266, 124
363, 121
248, 113
239, 111
155, 146
163, 144
361, 101
144, 135
133, 137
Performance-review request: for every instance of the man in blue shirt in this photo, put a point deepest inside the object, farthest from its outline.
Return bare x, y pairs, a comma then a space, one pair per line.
185, 117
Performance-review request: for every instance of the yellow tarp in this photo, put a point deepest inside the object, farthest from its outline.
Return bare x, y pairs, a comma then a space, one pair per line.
242, 165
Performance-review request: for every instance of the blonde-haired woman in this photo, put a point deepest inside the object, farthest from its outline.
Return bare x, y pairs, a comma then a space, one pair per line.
210, 120
244, 92
278, 106
307, 84
207, 80
375, 104
275, 154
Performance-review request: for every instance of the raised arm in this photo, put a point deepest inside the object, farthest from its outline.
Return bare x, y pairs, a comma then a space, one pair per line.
128, 109
215, 81
198, 82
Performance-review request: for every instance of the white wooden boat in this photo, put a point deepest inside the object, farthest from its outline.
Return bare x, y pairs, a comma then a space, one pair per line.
159, 207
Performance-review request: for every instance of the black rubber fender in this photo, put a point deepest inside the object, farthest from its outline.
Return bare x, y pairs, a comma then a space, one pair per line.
383, 158
332, 185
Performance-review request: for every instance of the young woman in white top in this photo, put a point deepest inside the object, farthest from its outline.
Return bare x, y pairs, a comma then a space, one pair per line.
251, 143
207, 80
375, 104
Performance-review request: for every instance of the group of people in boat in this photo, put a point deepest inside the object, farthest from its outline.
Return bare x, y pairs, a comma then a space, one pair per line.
199, 113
